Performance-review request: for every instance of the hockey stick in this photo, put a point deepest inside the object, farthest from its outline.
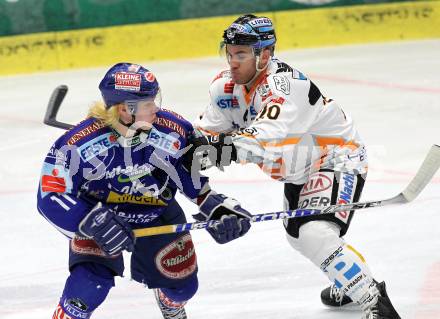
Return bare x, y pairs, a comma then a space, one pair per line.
57, 97
423, 176
425, 173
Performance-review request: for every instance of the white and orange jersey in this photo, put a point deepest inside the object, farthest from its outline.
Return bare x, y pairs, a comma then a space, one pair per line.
284, 125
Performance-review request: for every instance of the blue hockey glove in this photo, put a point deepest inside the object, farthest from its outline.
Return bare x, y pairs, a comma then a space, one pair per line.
109, 231
234, 220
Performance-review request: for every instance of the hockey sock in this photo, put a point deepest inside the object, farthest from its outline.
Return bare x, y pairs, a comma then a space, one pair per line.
319, 241
347, 269
85, 289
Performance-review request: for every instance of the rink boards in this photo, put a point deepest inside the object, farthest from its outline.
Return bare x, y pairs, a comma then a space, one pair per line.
200, 37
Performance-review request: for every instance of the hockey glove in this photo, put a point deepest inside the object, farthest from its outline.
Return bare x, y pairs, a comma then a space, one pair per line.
109, 231
212, 150
234, 220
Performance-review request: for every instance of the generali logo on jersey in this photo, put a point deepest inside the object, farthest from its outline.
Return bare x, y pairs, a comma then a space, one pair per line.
85, 132
127, 81
178, 259
317, 183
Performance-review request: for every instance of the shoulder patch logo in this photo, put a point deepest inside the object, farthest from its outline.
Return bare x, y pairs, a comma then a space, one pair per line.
282, 84
264, 90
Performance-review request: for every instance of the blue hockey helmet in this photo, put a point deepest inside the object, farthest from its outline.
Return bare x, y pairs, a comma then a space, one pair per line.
249, 29
126, 82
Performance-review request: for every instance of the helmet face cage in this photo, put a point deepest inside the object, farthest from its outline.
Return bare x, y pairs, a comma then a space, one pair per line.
153, 103
251, 30
241, 57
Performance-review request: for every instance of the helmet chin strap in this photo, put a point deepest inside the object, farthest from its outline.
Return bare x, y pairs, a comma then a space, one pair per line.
128, 125
259, 70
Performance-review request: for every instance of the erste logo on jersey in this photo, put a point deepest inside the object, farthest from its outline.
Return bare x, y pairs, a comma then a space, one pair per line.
229, 87
165, 142
227, 102
54, 179
127, 81
96, 146
52, 182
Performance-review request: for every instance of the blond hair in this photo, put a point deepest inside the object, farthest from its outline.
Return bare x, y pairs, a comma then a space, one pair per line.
108, 116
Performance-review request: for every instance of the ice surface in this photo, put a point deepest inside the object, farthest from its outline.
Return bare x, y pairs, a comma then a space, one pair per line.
393, 93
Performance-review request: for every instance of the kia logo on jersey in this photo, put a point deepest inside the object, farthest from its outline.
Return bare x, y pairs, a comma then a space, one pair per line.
318, 182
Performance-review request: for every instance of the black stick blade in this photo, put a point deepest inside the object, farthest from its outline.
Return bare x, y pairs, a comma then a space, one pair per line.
53, 106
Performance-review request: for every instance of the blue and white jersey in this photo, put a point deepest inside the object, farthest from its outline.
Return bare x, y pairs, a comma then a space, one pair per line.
137, 177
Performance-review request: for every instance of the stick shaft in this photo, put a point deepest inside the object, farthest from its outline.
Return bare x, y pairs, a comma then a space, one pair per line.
298, 213
423, 176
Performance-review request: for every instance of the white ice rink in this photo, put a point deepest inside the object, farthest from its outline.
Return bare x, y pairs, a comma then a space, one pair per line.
393, 93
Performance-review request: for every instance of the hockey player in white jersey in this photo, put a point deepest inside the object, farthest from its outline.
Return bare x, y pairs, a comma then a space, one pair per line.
263, 111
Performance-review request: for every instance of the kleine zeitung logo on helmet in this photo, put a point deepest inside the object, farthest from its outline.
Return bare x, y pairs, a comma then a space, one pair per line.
127, 81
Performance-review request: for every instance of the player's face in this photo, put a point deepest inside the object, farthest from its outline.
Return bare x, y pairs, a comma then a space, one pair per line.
241, 61
144, 112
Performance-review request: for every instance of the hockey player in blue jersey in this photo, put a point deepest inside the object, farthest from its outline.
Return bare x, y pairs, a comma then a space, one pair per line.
119, 170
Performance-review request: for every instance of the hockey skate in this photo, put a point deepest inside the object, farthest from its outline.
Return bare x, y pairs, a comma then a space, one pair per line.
334, 297
379, 304
170, 309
